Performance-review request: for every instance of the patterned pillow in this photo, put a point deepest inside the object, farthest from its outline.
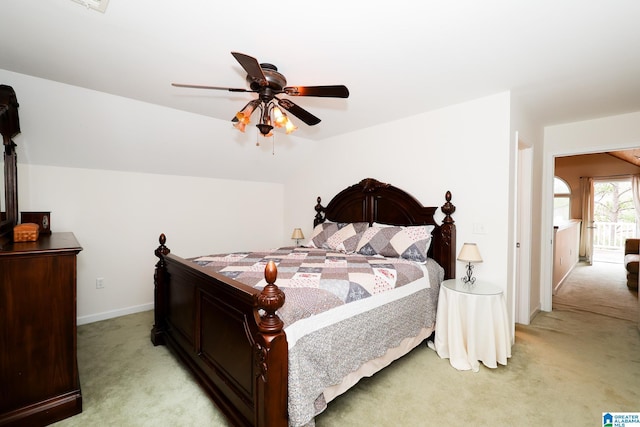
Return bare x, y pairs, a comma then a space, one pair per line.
337, 236
411, 243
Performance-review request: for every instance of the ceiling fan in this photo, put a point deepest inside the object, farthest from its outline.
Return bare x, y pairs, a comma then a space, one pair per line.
265, 80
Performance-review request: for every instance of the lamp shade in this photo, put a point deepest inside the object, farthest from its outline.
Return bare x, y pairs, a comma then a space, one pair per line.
469, 253
297, 234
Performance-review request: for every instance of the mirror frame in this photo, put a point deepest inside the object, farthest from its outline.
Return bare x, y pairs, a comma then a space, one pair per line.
10, 192
9, 127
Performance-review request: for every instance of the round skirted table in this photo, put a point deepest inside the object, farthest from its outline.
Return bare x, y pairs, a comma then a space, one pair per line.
472, 325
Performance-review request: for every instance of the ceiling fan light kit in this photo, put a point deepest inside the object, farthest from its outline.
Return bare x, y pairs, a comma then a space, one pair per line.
265, 80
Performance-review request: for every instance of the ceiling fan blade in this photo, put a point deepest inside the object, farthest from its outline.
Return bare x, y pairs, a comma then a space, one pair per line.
298, 111
334, 91
230, 89
252, 67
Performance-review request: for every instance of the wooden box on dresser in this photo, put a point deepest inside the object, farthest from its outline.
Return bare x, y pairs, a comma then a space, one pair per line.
39, 381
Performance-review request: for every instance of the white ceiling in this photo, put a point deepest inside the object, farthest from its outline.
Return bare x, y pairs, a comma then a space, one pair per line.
565, 60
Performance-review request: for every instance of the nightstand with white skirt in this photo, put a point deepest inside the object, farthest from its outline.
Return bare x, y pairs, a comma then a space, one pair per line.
472, 325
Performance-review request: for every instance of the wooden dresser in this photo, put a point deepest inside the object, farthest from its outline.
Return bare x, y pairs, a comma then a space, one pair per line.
39, 381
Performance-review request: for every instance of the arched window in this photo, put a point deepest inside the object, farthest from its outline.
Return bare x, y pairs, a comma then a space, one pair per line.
561, 201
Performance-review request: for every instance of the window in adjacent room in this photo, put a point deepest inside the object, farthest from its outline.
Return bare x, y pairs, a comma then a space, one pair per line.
561, 201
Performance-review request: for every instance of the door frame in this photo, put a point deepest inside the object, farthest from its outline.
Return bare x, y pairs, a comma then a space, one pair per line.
546, 239
524, 234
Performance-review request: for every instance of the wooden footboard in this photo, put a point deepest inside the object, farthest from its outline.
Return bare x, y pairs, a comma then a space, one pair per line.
213, 324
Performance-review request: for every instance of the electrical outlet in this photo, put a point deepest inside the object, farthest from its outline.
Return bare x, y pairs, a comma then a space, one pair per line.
100, 283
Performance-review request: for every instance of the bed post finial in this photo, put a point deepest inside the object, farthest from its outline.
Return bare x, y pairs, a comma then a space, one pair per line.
159, 291
270, 300
162, 250
319, 218
448, 208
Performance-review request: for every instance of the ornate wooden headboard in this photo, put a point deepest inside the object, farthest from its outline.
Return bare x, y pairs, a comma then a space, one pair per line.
373, 201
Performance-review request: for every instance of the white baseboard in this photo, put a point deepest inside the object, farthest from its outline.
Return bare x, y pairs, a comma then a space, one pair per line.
83, 320
536, 310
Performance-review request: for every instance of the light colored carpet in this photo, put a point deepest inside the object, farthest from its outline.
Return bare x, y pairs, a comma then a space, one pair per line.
126, 381
599, 288
567, 368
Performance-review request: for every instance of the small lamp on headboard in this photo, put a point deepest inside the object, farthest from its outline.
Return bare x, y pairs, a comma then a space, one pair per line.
297, 235
469, 253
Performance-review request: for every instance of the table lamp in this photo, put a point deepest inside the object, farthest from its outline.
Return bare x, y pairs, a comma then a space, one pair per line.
297, 235
469, 253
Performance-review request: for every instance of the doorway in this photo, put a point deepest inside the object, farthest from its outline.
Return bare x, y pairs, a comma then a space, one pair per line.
597, 283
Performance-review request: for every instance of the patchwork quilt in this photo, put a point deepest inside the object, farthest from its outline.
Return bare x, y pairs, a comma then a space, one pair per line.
315, 280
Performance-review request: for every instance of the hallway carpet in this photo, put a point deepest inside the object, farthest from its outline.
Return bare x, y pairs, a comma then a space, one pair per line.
600, 288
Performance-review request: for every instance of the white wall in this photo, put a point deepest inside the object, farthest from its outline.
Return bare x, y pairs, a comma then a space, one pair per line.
589, 136
463, 148
118, 216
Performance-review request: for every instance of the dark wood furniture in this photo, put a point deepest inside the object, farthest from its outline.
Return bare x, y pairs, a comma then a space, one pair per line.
214, 324
9, 127
632, 261
39, 381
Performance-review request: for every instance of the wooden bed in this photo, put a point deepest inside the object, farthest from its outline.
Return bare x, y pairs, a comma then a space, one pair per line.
229, 334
